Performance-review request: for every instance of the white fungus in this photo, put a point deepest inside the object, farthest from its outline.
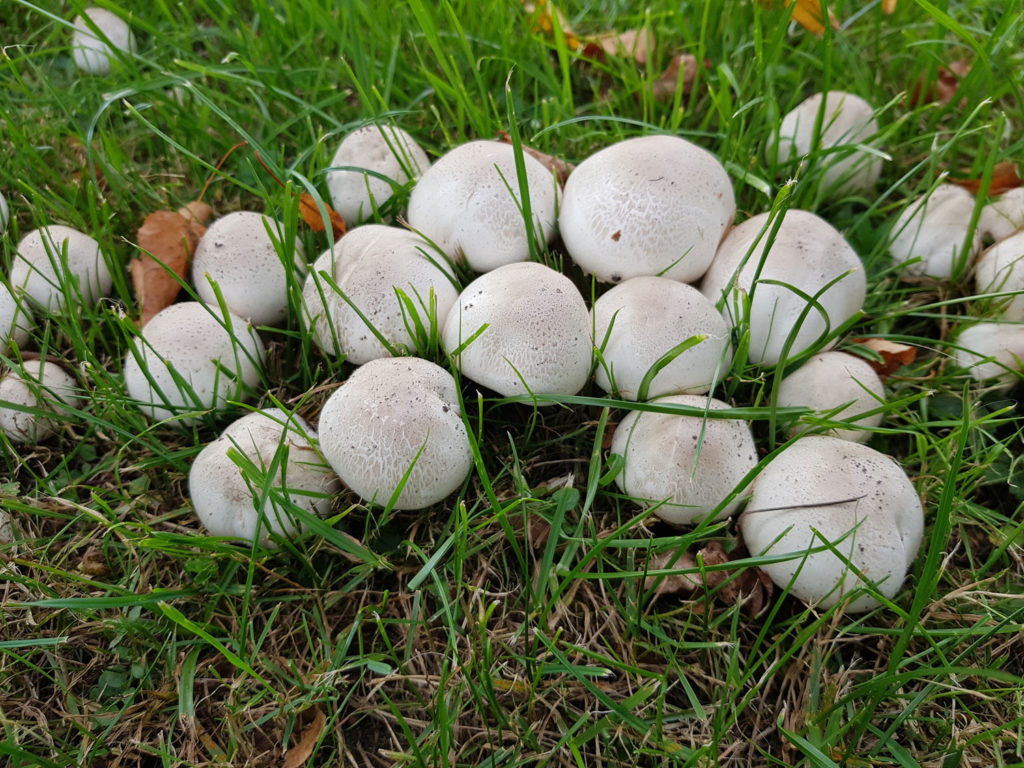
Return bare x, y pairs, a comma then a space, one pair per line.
1003, 217
96, 41
1001, 270
58, 265
15, 319
31, 398
992, 352
929, 234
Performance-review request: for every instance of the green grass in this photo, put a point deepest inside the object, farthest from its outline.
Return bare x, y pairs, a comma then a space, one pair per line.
515, 624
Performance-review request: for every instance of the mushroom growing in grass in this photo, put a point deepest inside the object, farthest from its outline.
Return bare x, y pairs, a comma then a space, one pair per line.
1003, 217
929, 235
652, 205
370, 163
795, 292
684, 467
1001, 270
394, 433
31, 399
58, 265
992, 352
229, 484
470, 204
98, 36
189, 358
833, 516
662, 332
521, 329
15, 319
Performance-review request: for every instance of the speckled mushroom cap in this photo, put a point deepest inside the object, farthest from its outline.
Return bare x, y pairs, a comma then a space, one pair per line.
858, 499
40, 271
930, 232
385, 150
992, 352
90, 52
40, 385
807, 255
838, 384
1002, 217
229, 504
652, 205
538, 334
683, 467
642, 319
393, 414
238, 254
1001, 270
468, 204
217, 359
15, 319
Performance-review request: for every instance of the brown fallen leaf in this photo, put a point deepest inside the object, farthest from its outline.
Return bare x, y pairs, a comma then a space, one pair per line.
300, 752
893, 355
556, 165
93, 563
637, 44
751, 586
311, 215
537, 532
888, 7
944, 87
197, 213
1004, 178
672, 559
167, 240
665, 86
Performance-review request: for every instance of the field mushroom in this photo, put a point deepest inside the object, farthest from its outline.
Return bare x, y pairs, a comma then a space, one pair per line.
822, 493
1003, 217
96, 40
31, 397
188, 358
651, 205
519, 329
640, 320
929, 234
15, 319
684, 467
992, 352
469, 204
389, 157
1001, 270
232, 500
808, 258
396, 423
58, 264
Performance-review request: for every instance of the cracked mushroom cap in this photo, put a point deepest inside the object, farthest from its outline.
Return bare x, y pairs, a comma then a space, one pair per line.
91, 53
652, 205
823, 489
58, 264
1001, 270
930, 232
15, 320
992, 352
230, 501
393, 417
39, 385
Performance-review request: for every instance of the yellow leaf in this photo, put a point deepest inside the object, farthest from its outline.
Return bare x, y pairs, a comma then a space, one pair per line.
807, 13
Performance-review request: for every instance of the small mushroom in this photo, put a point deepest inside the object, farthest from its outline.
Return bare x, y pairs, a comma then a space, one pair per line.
95, 42
56, 265
31, 398
929, 234
992, 352
396, 424
1001, 270
652, 205
1003, 217
825, 502
684, 467
15, 320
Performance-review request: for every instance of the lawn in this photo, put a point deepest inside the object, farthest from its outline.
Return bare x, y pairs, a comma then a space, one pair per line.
538, 615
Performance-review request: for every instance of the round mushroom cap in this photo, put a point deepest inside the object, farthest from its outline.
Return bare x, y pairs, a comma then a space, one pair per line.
823, 490
992, 352
41, 386
387, 152
189, 358
929, 234
319, 301
15, 319
51, 281
396, 423
239, 255
1002, 218
846, 121
652, 205
92, 53
808, 256
838, 386
684, 467
537, 337
1001, 270
641, 320
468, 204
233, 499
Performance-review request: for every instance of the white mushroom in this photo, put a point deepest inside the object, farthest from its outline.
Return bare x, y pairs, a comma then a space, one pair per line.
188, 358
384, 151
1001, 270
522, 328
992, 352
929, 234
469, 204
808, 256
837, 134
838, 386
642, 319
1002, 218
238, 254
15, 319
396, 423
31, 399
684, 467
56, 265
96, 40
235, 499
823, 493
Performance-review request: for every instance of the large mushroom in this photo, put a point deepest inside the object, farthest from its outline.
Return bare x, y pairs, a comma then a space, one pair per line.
56, 265
1002, 217
929, 234
1001, 270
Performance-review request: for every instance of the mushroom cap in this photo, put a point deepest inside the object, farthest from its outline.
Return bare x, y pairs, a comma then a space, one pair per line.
830, 381
930, 232
1001, 270
807, 255
91, 53
538, 334
847, 121
992, 351
226, 501
393, 414
1003, 217
468, 204
40, 385
683, 467
385, 150
40, 271
5, 213
858, 499
643, 318
238, 254
319, 301
15, 319
218, 359
652, 205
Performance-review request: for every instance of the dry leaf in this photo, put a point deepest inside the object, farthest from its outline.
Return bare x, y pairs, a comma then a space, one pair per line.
944, 88
888, 7
557, 166
546, 16
637, 44
537, 531
894, 356
678, 582
807, 13
197, 213
297, 755
665, 86
167, 241
751, 587
1004, 178
93, 563
311, 215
